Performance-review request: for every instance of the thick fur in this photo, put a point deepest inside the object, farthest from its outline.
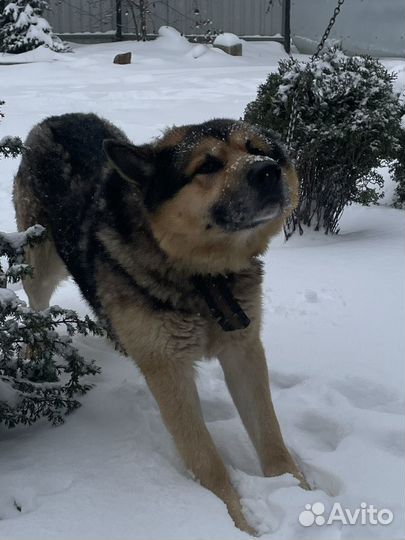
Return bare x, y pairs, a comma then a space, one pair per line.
133, 225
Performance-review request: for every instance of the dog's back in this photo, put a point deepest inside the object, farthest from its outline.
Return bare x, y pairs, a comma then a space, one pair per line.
55, 185
62, 166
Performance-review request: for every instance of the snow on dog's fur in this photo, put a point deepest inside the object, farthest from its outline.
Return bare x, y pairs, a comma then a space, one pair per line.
163, 240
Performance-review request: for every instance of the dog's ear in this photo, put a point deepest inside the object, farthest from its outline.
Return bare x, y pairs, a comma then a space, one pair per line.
136, 163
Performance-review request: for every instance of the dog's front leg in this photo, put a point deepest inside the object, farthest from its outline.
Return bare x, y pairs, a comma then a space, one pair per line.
164, 346
244, 364
172, 384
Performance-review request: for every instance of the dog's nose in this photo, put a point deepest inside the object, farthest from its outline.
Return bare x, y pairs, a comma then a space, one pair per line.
266, 178
264, 172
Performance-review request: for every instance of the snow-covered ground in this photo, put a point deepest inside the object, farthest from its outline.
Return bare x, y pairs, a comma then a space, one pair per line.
333, 331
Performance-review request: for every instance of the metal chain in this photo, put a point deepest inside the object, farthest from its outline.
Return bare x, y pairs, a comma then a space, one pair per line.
294, 108
328, 29
293, 119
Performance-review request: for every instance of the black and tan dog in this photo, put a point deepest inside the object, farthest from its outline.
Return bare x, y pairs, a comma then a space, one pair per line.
163, 241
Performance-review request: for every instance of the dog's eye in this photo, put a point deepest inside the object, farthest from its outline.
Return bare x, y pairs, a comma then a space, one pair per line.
254, 151
211, 165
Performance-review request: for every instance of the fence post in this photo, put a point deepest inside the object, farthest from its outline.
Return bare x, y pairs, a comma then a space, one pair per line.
118, 18
287, 25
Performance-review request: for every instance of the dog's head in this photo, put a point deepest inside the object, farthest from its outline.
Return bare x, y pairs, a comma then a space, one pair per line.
215, 193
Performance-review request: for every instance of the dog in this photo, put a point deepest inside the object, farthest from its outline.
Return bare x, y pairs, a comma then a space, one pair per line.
163, 240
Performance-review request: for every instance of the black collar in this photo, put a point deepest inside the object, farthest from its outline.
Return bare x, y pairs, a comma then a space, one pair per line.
221, 302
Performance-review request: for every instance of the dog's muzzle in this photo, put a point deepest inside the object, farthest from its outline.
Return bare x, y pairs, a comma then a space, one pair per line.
262, 197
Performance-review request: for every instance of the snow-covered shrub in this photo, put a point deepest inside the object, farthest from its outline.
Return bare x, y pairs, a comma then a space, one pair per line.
22, 28
9, 146
347, 125
40, 369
